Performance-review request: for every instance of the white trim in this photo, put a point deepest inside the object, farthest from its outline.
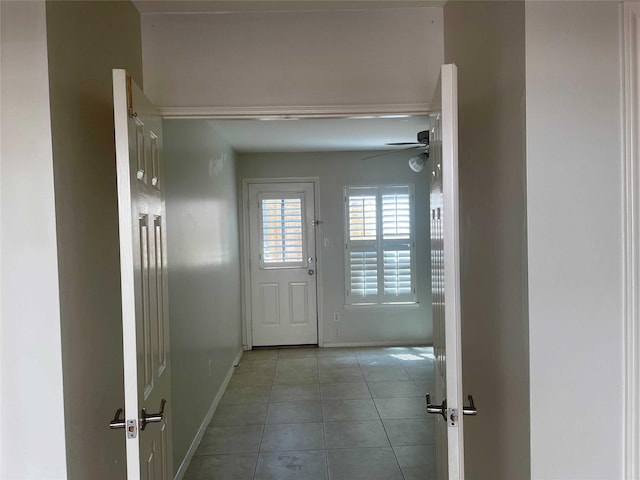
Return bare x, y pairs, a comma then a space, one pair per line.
245, 254
207, 419
378, 344
383, 306
311, 111
127, 282
451, 225
631, 263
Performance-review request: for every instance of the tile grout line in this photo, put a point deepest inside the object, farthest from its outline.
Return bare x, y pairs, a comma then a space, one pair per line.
255, 467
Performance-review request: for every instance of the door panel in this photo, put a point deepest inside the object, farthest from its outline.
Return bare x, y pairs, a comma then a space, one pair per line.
143, 280
445, 279
282, 264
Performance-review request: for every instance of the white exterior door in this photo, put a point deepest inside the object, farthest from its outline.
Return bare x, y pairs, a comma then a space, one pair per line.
445, 280
138, 129
282, 264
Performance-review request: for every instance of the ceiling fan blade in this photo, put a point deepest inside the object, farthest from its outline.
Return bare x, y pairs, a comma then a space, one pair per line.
391, 152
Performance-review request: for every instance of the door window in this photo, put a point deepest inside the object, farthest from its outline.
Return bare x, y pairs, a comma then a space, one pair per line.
282, 241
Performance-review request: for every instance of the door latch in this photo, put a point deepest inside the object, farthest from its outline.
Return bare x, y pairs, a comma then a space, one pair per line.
451, 415
146, 418
437, 409
471, 409
117, 422
130, 425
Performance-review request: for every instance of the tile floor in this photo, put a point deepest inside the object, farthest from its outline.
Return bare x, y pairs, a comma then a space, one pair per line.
322, 413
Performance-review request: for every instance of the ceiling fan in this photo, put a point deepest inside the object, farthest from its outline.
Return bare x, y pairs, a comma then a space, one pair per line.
423, 140
416, 163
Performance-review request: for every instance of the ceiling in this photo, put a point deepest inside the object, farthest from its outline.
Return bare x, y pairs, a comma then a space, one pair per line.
316, 135
228, 6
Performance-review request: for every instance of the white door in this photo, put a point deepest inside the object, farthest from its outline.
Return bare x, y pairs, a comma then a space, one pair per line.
283, 264
143, 264
445, 280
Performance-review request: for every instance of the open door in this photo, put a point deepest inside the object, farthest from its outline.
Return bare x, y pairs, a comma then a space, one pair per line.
143, 265
446, 402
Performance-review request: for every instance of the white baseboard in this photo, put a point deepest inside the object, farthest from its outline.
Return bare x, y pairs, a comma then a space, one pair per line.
206, 420
377, 344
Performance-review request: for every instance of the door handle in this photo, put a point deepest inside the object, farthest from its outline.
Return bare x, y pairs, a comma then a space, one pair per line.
146, 418
451, 414
437, 409
471, 409
117, 422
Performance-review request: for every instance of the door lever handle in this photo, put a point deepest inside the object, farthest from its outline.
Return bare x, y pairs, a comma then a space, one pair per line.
146, 418
437, 409
117, 422
471, 409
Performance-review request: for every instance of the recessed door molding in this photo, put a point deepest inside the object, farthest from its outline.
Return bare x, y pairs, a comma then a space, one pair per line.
631, 122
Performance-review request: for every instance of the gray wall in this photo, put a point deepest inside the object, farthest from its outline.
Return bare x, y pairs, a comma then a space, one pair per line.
261, 59
575, 235
83, 47
30, 348
204, 273
486, 41
363, 324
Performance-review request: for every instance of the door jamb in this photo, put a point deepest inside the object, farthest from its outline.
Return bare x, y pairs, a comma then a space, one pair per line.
245, 254
631, 252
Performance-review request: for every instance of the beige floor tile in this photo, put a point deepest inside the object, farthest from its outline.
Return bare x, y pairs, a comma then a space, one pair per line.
294, 412
345, 410
382, 373
344, 391
246, 395
341, 375
295, 393
363, 464
297, 465
410, 431
308, 413
417, 462
292, 436
297, 353
219, 440
364, 433
231, 467
414, 407
238, 415
394, 389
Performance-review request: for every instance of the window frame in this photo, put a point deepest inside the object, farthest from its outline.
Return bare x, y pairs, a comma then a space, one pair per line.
267, 265
380, 245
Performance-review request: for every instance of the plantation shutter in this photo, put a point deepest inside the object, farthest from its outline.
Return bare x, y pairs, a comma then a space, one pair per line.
362, 272
282, 230
379, 243
397, 244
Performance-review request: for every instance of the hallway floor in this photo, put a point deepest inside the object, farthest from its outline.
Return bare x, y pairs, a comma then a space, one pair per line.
323, 413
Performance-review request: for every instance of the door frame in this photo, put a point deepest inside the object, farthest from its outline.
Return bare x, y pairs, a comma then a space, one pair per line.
631, 254
245, 254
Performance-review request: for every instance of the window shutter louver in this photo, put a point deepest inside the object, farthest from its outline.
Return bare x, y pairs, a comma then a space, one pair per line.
282, 241
397, 272
362, 217
363, 268
379, 245
396, 216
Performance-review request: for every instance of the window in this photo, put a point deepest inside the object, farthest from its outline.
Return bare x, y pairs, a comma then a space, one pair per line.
380, 245
281, 233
